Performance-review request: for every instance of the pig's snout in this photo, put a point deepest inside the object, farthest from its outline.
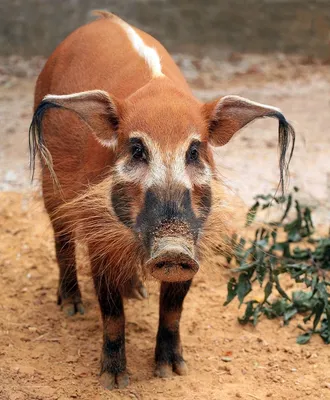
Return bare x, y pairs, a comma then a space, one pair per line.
172, 260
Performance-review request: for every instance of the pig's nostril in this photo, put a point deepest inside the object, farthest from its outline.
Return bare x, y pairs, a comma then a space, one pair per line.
170, 264
185, 266
172, 261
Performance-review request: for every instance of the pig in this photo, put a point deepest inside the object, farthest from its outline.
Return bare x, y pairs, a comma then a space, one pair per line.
127, 166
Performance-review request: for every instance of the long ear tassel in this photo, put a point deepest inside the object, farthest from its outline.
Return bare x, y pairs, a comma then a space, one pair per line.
36, 140
286, 136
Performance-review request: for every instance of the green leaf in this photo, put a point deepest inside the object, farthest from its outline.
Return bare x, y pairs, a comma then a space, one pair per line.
302, 300
243, 287
279, 288
256, 314
325, 327
324, 295
251, 215
249, 311
231, 291
318, 310
261, 271
284, 247
289, 313
304, 338
288, 207
268, 290
259, 260
279, 307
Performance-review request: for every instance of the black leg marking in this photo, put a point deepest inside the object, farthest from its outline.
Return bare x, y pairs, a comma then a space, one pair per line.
113, 358
69, 296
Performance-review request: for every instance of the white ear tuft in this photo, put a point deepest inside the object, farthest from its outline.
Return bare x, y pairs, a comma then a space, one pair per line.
96, 108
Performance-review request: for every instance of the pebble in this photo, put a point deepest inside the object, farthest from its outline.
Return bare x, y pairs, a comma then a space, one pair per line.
71, 359
47, 390
16, 396
226, 359
26, 370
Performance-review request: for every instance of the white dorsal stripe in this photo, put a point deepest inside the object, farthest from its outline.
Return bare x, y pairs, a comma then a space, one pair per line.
149, 54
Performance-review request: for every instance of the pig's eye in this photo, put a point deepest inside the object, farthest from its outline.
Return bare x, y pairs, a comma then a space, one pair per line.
192, 154
138, 150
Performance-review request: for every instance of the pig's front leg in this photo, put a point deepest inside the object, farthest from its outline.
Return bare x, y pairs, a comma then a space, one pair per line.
168, 348
113, 357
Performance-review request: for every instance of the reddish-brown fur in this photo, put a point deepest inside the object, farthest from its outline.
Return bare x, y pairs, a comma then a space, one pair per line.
81, 173
107, 62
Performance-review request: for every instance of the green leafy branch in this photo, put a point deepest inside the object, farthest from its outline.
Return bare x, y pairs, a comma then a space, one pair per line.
265, 259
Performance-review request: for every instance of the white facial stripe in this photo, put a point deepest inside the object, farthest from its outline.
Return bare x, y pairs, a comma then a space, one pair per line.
149, 54
157, 169
204, 177
178, 163
164, 168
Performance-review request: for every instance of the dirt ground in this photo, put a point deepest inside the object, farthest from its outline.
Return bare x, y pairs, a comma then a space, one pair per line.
44, 355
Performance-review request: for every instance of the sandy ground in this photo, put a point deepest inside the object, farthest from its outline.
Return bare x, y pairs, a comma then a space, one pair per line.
44, 355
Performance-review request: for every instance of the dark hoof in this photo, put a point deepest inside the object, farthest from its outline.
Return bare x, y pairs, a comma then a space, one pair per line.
71, 306
164, 370
135, 289
111, 381
139, 292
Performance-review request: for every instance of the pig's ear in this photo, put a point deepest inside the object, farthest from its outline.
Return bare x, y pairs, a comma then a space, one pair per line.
95, 107
228, 115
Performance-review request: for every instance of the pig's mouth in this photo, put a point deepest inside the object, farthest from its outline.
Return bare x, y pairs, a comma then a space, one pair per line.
172, 259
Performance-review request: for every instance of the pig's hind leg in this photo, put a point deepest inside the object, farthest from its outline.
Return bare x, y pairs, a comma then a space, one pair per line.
69, 296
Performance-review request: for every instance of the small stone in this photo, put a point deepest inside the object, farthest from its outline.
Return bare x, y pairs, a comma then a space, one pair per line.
293, 369
27, 370
226, 359
16, 396
32, 329
47, 390
238, 395
71, 359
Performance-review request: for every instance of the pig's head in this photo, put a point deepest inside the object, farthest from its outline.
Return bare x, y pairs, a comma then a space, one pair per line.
161, 179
